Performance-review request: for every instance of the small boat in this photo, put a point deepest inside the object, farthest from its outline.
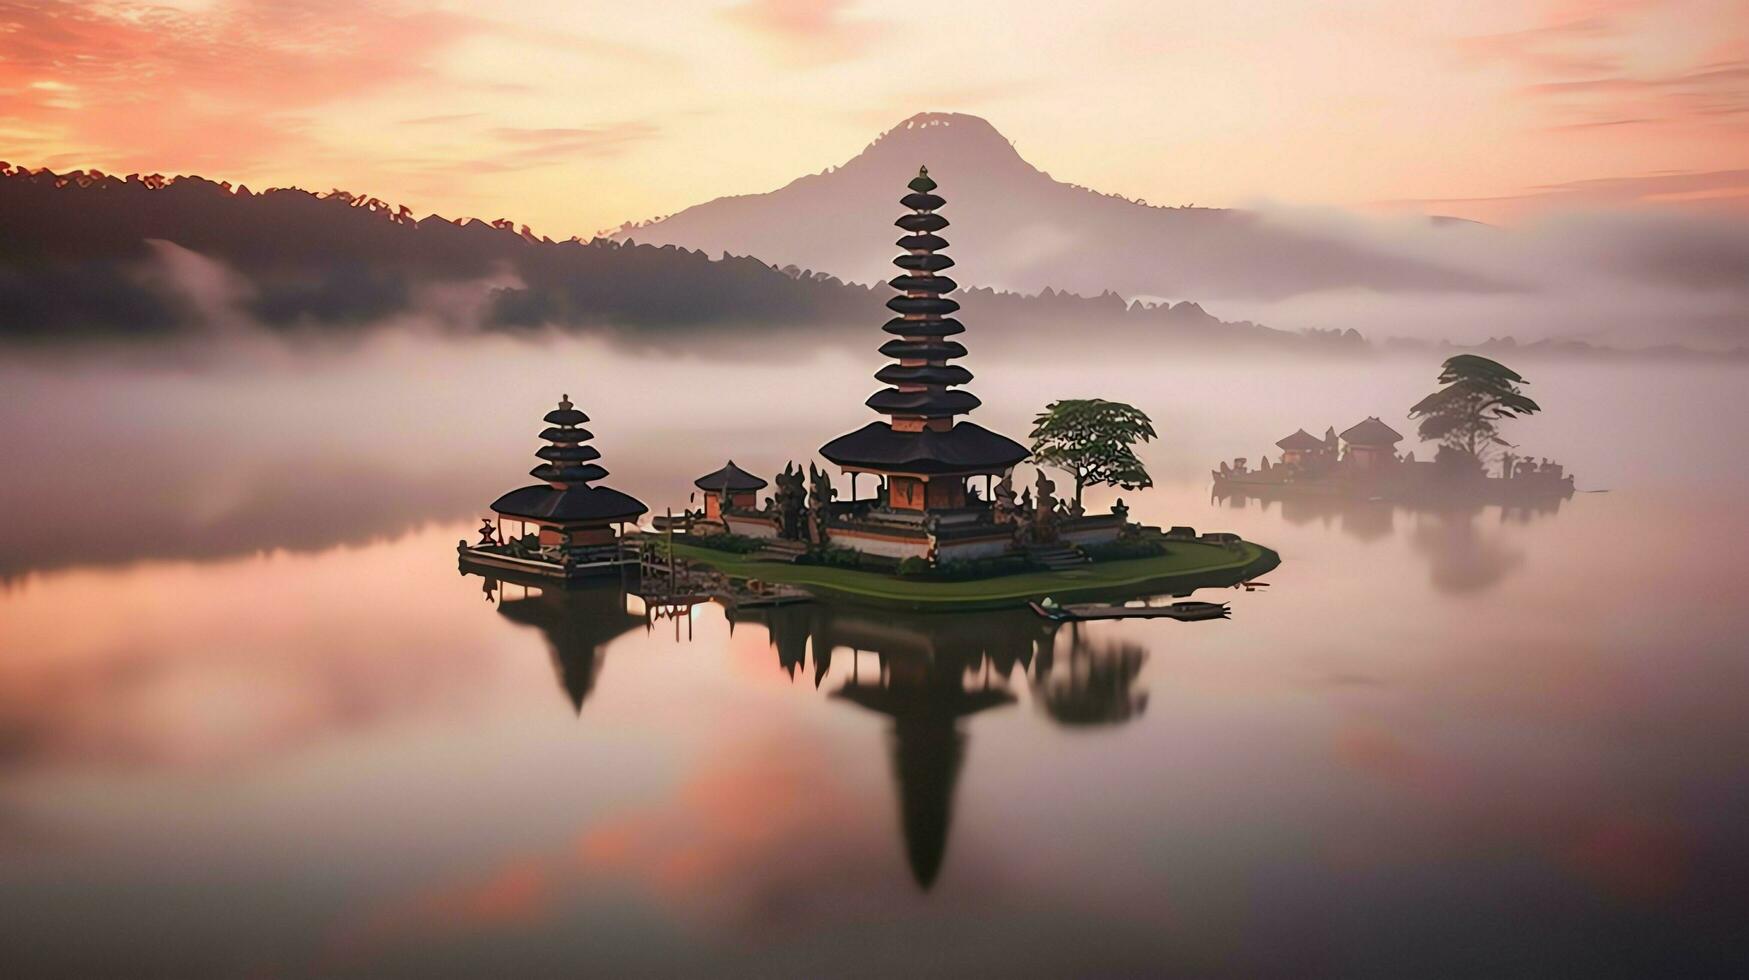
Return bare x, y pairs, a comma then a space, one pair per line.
1181, 611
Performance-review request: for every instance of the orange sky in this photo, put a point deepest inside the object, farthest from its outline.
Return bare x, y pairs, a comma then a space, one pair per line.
573, 117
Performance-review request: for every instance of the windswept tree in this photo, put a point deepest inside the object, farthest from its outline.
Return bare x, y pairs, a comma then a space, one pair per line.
1094, 441
1465, 416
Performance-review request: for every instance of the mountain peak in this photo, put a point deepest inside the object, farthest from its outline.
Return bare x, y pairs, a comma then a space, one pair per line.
955, 139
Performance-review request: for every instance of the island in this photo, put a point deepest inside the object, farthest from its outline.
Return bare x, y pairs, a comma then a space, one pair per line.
943, 527
1362, 463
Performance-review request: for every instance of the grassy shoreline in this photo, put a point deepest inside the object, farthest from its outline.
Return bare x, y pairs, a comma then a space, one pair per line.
1188, 565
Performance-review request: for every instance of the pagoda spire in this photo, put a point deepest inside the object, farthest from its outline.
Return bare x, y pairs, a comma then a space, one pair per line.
919, 397
567, 461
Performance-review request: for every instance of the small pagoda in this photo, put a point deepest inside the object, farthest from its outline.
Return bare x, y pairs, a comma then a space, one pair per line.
728, 487
563, 526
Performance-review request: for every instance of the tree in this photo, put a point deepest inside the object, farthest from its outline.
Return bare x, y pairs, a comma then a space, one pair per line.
1094, 441
1465, 415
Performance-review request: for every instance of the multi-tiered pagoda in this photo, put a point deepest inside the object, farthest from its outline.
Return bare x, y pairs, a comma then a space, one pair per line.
562, 526
923, 453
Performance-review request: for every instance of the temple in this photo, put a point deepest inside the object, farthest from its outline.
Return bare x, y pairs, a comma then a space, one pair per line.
1363, 463
561, 527
923, 456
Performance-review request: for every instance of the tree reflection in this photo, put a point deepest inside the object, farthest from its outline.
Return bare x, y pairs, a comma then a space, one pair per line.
1095, 685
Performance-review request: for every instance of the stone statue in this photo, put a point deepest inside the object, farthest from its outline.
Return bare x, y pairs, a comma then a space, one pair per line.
791, 500
1044, 515
820, 494
1007, 510
1120, 511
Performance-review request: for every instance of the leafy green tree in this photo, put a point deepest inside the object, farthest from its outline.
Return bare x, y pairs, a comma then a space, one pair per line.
1094, 441
1465, 415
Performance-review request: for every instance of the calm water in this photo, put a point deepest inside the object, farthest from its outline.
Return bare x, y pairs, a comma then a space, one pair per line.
253, 722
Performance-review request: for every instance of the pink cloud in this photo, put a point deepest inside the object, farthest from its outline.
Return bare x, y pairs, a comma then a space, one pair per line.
157, 87
805, 31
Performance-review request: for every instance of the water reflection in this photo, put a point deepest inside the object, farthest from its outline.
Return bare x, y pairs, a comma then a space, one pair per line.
929, 674
578, 625
1464, 557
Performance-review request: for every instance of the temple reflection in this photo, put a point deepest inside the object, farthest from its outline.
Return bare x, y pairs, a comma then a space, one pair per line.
928, 674
931, 673
1463, 556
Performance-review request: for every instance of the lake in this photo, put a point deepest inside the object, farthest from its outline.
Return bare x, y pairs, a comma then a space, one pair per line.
255, 723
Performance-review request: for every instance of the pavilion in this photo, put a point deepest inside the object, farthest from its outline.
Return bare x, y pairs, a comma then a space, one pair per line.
1371, 444
1304, 449
730, 486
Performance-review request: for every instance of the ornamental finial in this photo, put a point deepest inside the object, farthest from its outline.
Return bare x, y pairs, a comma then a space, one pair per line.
565, 403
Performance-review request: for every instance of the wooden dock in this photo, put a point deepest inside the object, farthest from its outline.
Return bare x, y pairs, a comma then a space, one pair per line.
1186, 612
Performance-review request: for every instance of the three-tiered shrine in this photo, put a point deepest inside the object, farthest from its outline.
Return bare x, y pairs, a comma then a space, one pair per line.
563, 526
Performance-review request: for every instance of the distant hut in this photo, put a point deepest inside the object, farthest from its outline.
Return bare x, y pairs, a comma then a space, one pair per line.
1301, 448
564, 510
1371, 443
732, 485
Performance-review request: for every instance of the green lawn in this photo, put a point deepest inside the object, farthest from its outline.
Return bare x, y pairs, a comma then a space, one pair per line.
1188, 565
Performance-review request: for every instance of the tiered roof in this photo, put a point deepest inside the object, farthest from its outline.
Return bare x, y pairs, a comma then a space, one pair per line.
921, 395
568, 466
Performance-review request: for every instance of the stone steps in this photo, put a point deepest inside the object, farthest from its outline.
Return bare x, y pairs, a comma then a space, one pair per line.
1057, 557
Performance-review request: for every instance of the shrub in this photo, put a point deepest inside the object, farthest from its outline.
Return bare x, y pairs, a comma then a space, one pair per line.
1125, 548
732, 543
915, 567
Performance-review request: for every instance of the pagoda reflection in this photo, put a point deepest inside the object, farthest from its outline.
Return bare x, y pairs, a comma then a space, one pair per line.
577, 623
930, 674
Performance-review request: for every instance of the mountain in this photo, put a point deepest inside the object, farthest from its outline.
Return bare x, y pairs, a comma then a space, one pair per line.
1015, 227
88, 255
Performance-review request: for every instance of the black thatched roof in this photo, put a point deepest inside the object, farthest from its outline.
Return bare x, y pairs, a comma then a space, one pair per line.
567, 473
566, 416
568, 453
939, 327
1371, 432
924, 404
730, 478
924, 284
966, 448
561, 434
923, 263
921, 223
580, 505
1301, 441
923, 374
927, 350
927, 242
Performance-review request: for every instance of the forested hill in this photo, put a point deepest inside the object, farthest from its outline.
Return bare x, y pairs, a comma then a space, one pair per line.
84, 255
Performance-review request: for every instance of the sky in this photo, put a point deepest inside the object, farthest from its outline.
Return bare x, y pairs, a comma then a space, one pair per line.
575, 117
